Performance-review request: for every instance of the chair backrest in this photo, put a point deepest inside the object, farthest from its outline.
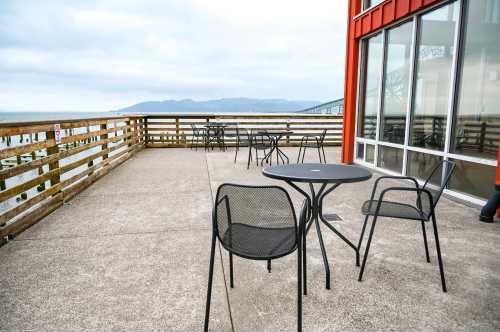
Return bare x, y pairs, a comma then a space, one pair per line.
260, 139
231, 131
436, 183
263, 207
196, 131
322, 136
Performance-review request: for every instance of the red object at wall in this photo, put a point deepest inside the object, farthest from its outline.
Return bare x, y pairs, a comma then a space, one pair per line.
350, 84
497, 180
386, 13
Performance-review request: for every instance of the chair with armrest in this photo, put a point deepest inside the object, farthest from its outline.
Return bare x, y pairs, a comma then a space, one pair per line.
427, 197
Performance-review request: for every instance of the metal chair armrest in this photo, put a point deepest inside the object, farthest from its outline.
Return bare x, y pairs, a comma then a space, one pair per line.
394, 178
419, 191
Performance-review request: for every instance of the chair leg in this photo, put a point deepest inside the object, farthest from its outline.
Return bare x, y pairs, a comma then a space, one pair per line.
269, 265
367, 249
304, 260
237, 149
304, 154
425, 243
231, 271
249, 156
300, 150
319, 154
438, 249
323, 149
361, 239
210, 279
299, 285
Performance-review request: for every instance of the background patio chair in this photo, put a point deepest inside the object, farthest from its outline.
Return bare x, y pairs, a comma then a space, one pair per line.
198, 133
258, 142
427, 198
315, 141
256, 223
241, 137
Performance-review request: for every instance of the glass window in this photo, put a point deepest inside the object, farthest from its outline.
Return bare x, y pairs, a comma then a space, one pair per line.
390, 158
433, 77
361, 151
420, 165
370, 153
371, 3
473, 179
477, 128
371, 89
396, 77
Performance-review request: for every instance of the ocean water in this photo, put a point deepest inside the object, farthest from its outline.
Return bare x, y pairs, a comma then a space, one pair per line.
45, 116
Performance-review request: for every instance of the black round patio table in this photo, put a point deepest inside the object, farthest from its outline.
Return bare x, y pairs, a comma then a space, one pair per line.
275, 135
324, 175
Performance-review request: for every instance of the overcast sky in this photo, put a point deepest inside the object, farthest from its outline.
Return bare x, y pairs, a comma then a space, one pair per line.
101, 55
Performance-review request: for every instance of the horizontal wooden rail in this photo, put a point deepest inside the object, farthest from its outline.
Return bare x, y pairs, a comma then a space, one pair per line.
45, 163
175, 131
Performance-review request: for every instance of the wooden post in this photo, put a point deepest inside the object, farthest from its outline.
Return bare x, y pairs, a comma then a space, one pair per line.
103, 137
50, 135
482, 137
135, 131
177, 137
146, 131
2, 182
287, 136
127, 132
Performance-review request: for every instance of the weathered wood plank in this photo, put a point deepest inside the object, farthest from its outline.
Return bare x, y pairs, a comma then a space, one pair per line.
25, 167
27, 148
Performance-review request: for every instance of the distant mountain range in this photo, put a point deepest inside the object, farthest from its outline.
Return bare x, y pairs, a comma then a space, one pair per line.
225, 105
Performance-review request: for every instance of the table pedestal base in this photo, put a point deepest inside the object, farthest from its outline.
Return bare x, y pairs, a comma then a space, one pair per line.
315, 215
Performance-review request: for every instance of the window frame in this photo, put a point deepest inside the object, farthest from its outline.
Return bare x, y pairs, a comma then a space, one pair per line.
446, 154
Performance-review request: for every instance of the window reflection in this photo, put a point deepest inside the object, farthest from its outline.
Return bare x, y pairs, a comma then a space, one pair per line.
477, 129
390, 158
433, 76
396, 77
371, 3
373, 68
421, 165
370, 153
473, 179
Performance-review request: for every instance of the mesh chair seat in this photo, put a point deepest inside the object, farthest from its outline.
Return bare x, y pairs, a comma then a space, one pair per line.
392, 210
259, 242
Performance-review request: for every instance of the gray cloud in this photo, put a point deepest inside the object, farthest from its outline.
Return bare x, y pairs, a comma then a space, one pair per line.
98, 55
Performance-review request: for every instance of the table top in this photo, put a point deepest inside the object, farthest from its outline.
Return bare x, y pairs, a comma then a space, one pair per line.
214, 124
275, 132
318, 173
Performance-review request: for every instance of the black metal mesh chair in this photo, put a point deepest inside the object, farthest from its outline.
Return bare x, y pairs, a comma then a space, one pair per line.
198, 133
259, 141
315, 141
423, 210
258, 223
240, 136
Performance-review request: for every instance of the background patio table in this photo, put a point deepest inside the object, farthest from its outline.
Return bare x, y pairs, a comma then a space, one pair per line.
275, 136
323, 174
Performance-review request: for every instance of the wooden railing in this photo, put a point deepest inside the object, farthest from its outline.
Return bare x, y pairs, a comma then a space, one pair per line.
170, 131
44, 164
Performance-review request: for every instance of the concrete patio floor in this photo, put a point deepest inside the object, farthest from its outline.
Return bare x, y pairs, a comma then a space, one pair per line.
132, 251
